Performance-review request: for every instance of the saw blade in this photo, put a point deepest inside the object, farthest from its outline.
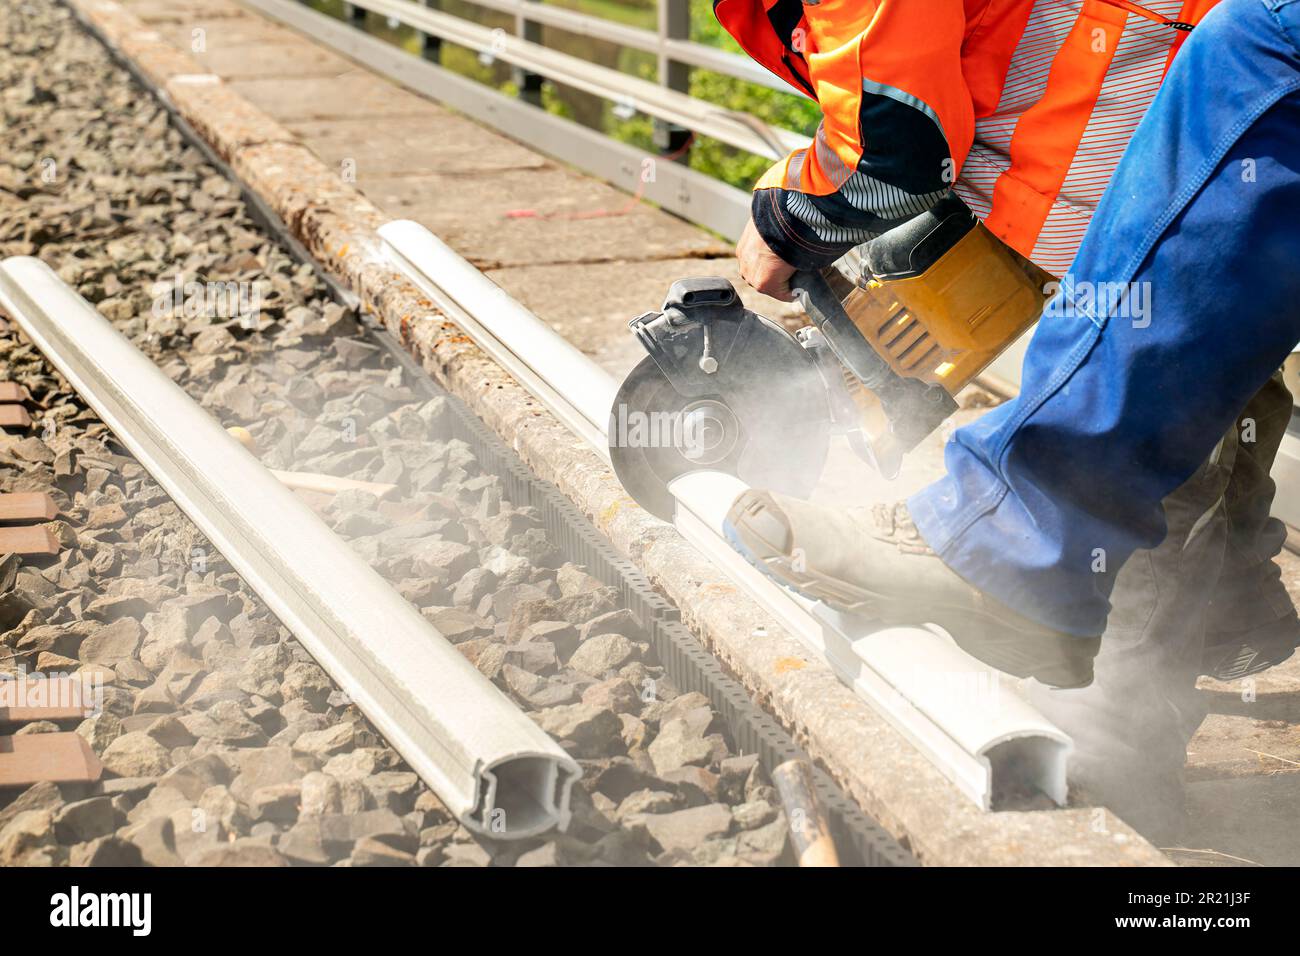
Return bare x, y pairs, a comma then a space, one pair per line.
770, 432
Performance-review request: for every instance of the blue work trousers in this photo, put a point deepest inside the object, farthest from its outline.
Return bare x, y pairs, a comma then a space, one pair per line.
1183, 300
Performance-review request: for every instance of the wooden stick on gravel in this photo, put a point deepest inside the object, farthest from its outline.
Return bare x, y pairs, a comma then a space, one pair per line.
310, 481
810, 833
330, 484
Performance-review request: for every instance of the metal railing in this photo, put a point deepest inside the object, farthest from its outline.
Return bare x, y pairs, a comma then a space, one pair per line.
676, 187
671, 42
665, 100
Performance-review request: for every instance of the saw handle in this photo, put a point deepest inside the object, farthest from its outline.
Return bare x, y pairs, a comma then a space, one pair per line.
827, 313
912, 408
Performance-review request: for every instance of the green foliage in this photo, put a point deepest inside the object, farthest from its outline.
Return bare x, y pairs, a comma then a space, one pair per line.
636, 13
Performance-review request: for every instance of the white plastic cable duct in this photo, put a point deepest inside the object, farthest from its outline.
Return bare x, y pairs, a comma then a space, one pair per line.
491, 766
572, 387
963, 715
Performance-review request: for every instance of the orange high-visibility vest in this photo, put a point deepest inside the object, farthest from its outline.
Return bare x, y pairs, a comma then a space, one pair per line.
1027, 105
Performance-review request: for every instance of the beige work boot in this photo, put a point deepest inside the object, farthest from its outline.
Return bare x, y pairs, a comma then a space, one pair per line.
872, 562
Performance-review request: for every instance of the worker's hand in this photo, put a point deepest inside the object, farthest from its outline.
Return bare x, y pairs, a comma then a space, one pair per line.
762, 268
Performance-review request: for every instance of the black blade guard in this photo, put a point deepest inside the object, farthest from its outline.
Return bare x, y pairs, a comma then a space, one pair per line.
762, 416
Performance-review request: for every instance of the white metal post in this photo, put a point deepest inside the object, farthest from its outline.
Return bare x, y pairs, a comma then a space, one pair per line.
530, 84
674, 24
431, 43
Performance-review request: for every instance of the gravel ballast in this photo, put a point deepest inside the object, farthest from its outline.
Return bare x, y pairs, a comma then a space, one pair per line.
225, 743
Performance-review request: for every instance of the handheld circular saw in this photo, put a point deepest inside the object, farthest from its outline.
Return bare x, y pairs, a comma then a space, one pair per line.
725, 389
722, 389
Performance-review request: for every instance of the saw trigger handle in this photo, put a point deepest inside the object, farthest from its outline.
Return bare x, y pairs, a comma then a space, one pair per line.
912, 408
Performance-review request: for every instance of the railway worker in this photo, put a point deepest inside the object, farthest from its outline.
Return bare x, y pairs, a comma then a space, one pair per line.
1141, 445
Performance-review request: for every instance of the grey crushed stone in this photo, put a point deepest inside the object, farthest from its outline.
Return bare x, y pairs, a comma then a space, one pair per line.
226, 744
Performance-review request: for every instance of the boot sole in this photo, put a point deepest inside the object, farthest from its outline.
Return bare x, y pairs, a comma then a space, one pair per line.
1060, 661
1248, 662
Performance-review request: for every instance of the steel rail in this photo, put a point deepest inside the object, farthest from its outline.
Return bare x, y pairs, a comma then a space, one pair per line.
740, 130
960, 713
492, 767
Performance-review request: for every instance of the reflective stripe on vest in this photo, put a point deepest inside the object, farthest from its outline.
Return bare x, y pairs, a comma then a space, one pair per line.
1082, 76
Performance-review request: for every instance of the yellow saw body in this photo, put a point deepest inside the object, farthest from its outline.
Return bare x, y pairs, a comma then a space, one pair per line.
885, 353
939, 299
946, 325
